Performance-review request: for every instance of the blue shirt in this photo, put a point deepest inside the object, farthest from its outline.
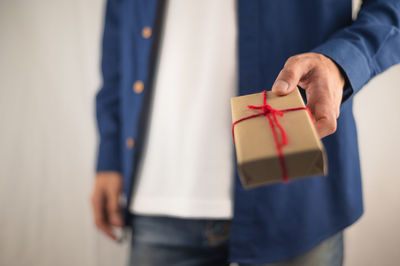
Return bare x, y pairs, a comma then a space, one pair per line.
275, 222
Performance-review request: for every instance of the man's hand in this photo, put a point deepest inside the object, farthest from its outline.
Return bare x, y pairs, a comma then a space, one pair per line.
323, 83
105, 202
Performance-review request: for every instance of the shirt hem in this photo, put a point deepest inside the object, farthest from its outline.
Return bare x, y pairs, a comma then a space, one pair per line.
182, 208
298, 252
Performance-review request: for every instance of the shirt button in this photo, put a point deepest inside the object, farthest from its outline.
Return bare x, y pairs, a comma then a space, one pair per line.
130, 142
138, 86
146, 32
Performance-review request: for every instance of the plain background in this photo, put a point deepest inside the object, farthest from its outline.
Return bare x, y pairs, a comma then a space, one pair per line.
49, 74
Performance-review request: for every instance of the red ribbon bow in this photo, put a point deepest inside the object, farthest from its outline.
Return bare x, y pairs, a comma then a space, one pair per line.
271, 114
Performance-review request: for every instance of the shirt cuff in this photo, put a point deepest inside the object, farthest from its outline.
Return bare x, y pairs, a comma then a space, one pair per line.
108, 158
351, 62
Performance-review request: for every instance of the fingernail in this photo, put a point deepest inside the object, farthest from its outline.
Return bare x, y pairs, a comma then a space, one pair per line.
281, 86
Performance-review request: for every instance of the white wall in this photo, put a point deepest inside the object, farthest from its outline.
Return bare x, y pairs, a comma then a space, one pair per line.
48, 77
375, 239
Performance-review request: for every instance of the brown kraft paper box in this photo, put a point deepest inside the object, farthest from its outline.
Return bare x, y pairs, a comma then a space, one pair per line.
256, 152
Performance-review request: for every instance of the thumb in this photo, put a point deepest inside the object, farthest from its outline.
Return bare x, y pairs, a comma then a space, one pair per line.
290, 76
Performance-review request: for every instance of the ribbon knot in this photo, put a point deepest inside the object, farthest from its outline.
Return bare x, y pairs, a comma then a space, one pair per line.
266, 109
270, 113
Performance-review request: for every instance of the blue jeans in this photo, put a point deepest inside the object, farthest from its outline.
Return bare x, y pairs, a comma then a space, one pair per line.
159, 241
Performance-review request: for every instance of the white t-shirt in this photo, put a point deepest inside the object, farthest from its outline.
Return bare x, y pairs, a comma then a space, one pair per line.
187, 165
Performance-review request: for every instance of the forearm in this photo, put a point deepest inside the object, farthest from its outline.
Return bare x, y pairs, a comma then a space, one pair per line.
107, 99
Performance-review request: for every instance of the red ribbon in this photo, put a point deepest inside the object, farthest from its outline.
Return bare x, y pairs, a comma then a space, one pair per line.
271, 114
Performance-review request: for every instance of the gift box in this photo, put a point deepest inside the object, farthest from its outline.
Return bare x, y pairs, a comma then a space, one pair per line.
275, 139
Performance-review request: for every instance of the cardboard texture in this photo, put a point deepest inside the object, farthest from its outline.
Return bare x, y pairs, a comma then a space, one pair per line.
256, 153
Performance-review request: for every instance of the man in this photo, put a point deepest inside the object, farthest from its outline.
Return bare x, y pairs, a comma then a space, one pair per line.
165, 144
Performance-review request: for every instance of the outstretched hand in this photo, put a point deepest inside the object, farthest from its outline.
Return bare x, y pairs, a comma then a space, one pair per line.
323, 83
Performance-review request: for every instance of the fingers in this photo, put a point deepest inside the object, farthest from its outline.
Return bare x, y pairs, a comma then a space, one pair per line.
323, 107
294, 70
100, 215
113, 209
325, 120
105, 202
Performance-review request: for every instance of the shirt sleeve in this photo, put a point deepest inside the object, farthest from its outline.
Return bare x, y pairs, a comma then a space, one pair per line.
107, 98
367, 47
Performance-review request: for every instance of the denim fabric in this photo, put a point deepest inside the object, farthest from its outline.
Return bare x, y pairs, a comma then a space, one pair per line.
159, 241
